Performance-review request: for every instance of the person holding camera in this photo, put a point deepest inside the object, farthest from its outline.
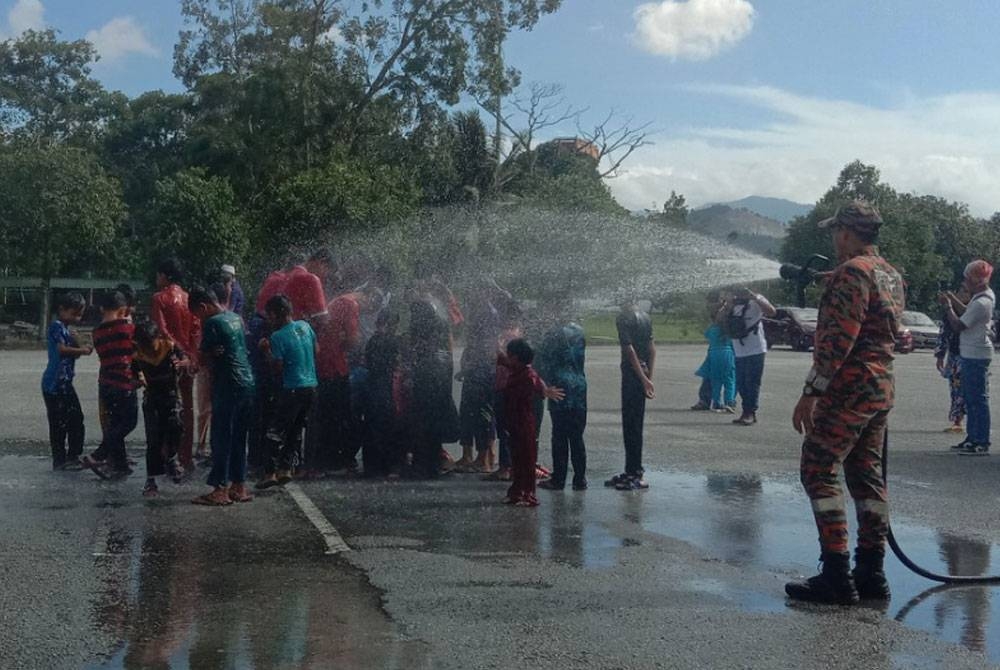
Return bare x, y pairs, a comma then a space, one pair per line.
844, 409
745, 327
972, 323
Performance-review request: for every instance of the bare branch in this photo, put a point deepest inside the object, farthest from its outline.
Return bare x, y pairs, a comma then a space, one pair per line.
615, 141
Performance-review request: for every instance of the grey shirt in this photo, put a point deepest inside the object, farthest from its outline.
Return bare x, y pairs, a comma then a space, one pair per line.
974, 341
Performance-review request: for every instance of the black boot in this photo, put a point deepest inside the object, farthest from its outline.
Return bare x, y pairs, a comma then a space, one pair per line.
832, 586
869, 577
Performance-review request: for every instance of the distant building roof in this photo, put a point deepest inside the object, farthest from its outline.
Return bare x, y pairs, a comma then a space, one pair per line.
578, 145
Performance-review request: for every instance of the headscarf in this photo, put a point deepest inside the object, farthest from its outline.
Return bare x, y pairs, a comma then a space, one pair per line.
979, 271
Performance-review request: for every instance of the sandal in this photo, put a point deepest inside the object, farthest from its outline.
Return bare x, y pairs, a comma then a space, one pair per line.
499, 475
217, 498
239, 493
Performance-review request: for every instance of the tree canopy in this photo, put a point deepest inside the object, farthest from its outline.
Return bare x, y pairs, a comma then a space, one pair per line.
928, 238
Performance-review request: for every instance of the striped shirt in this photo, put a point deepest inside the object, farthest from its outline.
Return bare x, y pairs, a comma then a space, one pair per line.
113, 343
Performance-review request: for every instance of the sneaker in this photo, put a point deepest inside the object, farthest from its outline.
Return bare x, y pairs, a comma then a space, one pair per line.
730, 409
150, 490
700, 407
580, 485
283, 476
973, 449
614, 481
961, 446
746, 420
550, 485
633, 483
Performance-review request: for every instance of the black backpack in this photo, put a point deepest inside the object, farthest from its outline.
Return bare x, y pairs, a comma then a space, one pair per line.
735, 325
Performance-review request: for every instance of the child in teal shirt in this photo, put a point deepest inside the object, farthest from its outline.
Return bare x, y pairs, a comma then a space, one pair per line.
292, 351
719, 368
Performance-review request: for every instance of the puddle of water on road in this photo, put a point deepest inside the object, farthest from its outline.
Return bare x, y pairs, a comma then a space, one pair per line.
742, 519
174, 603
746, 520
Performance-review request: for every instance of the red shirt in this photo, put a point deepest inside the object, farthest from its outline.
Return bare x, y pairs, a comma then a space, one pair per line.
273, 285
519, 391
305, 291
113, 343
341, 327
171, 314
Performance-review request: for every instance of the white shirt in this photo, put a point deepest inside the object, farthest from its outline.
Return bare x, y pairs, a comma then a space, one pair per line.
754, 343
974, 341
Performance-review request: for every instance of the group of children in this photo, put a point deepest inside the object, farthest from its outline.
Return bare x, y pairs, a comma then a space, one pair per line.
335, 378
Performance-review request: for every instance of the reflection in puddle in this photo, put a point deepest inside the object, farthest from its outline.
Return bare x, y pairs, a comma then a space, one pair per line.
748, 521
744, 520
174, 603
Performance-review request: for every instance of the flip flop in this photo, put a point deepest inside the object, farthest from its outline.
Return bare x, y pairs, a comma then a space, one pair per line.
98, 469
208, 501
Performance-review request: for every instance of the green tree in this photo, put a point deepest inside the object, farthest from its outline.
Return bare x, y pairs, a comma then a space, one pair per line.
675, 211
924, 237
195, 217
344, 196
46, 90
56, 205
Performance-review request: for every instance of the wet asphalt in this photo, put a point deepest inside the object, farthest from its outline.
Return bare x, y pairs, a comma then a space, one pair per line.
688, 574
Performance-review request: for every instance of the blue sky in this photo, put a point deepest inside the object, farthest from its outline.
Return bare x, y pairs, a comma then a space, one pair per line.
767, 97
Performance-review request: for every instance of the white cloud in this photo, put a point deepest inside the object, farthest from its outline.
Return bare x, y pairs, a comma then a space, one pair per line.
943, 145
26, 15
691, 29
119, 37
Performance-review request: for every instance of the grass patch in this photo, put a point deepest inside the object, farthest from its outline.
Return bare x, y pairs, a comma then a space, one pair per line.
600, 329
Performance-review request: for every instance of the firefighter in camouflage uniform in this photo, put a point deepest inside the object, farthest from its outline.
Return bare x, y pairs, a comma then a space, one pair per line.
844, 409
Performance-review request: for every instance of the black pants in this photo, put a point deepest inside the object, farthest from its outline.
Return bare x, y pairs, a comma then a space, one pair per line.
567, 443
66, 431
284, 436
633, 414
383, 452
263, 416
330, 442
122, 411
164, 428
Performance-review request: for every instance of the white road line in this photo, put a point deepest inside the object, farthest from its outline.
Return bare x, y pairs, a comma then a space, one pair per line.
334, 542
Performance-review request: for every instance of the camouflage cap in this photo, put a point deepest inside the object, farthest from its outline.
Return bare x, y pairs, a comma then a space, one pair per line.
857, 214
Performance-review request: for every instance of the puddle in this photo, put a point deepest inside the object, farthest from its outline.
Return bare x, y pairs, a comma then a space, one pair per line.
174, 603
743, 520
747, 520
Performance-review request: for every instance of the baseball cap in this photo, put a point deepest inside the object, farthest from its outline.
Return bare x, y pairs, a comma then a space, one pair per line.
229, 270
857, 214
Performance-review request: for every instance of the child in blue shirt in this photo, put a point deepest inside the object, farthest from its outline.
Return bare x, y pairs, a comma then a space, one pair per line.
292, 350
562, 364
66, 429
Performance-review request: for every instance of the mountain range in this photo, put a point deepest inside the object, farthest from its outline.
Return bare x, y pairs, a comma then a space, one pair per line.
778, 209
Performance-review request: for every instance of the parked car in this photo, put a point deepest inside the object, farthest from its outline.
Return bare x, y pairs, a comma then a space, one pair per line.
794, 327
923, 328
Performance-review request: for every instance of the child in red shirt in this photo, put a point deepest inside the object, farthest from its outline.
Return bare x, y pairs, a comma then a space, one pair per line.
520, 389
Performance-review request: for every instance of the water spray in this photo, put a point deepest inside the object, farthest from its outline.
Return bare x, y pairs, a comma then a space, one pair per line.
803, 276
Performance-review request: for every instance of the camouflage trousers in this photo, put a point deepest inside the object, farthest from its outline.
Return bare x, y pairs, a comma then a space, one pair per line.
853, 440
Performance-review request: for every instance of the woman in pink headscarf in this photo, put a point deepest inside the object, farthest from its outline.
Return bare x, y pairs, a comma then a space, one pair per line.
974, 322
